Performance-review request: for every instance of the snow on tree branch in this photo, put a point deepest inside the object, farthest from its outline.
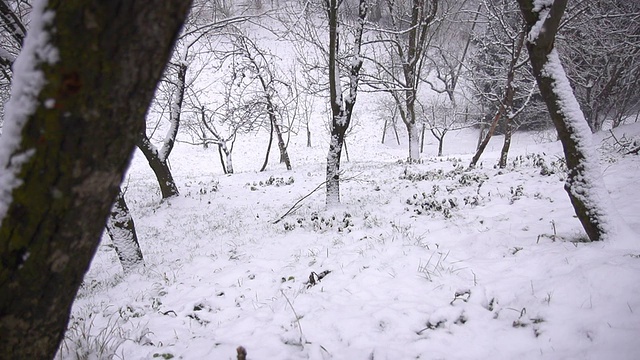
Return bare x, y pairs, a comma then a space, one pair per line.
28, 80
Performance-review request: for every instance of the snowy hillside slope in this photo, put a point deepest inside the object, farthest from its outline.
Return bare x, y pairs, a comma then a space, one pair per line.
428, 261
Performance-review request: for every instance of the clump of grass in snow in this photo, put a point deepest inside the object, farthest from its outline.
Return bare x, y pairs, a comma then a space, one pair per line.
83, 340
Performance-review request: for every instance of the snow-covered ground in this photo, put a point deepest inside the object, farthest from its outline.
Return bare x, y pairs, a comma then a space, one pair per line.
424, 261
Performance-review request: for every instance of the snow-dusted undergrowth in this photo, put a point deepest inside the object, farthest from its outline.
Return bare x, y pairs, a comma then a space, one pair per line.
428, 261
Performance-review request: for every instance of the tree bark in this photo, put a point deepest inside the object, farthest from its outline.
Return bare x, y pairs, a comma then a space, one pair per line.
122, 231
227, 153
158, 159
284, 155
160, 167
63, 159
505, 108
266, 157
504, 152
341, 109
584, 184
224, 167
440, 137
486, 139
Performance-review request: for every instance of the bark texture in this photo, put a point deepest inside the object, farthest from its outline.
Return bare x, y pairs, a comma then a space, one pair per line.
122, 231
584, 178
160, 167
341, 108
79, 138
159, 159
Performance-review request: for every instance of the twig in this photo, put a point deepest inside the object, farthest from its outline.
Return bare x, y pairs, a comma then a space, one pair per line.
634, 151
296, 207
616, 139
296, 315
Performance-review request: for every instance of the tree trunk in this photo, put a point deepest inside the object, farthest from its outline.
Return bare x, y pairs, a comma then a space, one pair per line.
414, 141
224, 167
504, 153
384, 129
424, 128
333, 164
485, 140
160, 168
341, 109
227, 154
308, 136
481, 134
346, 149
395, 130
440, 138
339, 123
266, 157
284, 155
158, 159
505, 108
63, 159
584, 184
122, 231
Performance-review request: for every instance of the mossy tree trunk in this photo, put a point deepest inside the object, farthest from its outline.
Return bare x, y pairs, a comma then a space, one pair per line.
82, 86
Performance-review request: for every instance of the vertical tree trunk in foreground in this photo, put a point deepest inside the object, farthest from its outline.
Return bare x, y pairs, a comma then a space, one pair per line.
81, 89
122, 231
584, 183
341, 109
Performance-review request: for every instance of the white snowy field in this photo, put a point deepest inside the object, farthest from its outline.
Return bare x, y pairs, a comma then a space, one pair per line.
425, 261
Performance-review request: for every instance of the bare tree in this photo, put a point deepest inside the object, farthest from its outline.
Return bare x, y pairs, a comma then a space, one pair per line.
258, 72
158, 158
603, 66
199, 27
341, 105
403, 43
63, 159
450, 49
584, 184
500, 87
442, 116
220, 125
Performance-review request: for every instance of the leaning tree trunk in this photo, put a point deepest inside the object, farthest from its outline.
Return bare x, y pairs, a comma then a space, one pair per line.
505, 108
122, 231
284, 155
584, 184
96, 63
159, 159
159, 166
266, 157
224, 167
